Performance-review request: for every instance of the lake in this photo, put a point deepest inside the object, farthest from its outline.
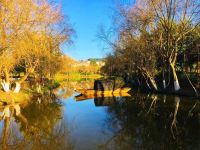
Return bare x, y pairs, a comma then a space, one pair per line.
140, 121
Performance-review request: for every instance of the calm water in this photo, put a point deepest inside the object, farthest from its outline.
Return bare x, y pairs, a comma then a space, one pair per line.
142, 121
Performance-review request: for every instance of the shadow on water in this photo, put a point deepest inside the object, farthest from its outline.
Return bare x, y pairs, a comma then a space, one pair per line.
140, 121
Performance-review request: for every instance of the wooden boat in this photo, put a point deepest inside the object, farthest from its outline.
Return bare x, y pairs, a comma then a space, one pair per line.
82, 97
97, 92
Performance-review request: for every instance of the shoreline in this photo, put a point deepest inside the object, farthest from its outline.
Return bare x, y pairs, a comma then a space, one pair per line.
182, 92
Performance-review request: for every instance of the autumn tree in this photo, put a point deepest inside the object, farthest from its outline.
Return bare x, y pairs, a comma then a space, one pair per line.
32, 32
177, 19
151, 36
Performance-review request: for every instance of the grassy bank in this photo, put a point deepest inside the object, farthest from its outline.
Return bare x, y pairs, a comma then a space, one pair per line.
75, 76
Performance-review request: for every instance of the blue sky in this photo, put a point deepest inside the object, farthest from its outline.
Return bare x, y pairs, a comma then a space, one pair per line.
86, 16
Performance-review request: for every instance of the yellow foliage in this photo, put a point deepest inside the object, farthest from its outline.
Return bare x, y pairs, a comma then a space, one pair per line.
31, 32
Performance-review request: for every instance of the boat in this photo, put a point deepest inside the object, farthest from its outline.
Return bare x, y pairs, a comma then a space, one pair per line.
99, 92
82, 97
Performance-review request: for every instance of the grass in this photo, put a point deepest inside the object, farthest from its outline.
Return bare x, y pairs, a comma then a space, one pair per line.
24, 96
75, 76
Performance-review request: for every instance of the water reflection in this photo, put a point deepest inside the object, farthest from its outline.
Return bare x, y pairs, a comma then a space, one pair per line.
34, 127
104, 101
151, 122
140, 121
102, 98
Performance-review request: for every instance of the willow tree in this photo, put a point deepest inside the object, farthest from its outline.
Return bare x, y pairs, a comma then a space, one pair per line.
30, 30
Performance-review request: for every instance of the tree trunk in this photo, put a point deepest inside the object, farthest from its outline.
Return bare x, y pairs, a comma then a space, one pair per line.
17, 87
148, 84
6, 83
164, 82
176, 82
6, 86
193, 87
153, 83
18, 83
151, 79
146, 80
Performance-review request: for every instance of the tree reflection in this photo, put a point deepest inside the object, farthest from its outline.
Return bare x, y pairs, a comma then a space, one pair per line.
145, 121
8, 129
104, 101
154, 99
174, 121
5, 133
35, 127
